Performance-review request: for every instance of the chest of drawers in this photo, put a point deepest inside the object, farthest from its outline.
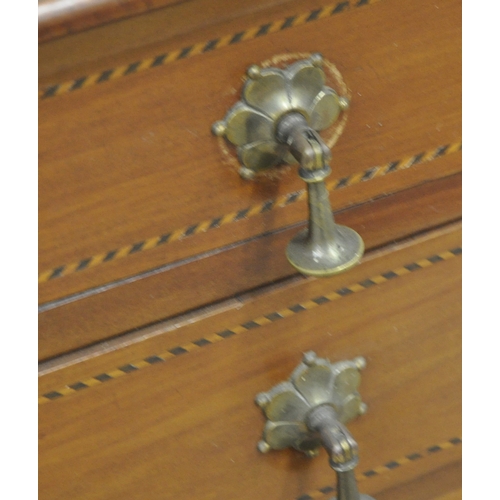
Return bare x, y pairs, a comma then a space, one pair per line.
166, 300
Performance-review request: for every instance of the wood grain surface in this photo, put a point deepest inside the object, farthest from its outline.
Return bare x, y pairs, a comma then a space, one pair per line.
233, 232
211, 278
61, 17
179, 25
187, 428
133, 158
443, 483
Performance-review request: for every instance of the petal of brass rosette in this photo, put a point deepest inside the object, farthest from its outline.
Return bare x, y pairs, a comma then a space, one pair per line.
285, 400
347, 381
348, 408
268, 93
314, 383
325, 109
261, 155
245, 125
281, 435
305, 83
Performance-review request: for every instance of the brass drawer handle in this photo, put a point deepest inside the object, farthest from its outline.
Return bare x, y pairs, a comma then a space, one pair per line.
310, 410
277, 121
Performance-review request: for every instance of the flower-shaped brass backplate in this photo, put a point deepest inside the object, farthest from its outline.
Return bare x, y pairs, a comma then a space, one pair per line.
267, 96
314, 383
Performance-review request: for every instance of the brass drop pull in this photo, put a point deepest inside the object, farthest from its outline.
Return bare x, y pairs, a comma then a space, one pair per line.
277, 122
310, 410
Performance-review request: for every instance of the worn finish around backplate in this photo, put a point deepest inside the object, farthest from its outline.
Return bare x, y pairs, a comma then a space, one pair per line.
268, 95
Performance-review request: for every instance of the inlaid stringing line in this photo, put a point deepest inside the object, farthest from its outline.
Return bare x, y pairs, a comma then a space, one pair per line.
248, 325
245, 213
199, 48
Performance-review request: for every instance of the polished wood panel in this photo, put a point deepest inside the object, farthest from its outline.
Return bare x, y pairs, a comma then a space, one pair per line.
187, 428
211, 279
152, 33
443, 483
119, 165
61, 17
251, 305
133, 158
251, 227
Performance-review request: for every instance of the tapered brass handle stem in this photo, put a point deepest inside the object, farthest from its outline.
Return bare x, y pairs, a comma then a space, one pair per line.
323, 248
342, 450
347, 487
276, 122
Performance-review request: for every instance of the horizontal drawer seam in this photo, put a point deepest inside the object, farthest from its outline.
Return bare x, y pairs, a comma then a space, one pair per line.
249, 325
245, 213
389, 466
200, 48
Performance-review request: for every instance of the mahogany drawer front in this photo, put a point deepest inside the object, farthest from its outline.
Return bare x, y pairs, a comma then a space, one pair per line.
99, 30
173, 416
154, 297
57, 18
136, 198
166, 299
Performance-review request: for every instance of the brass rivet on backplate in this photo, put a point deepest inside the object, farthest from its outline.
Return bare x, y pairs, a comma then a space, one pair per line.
313, 453
310, 358
363, 408
344, 103
263, 447
253, 71
219, 128
360, 362
246, 173
316, 59
262, 399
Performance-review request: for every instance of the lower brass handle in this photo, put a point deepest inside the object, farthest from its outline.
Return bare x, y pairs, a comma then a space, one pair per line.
310, 410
